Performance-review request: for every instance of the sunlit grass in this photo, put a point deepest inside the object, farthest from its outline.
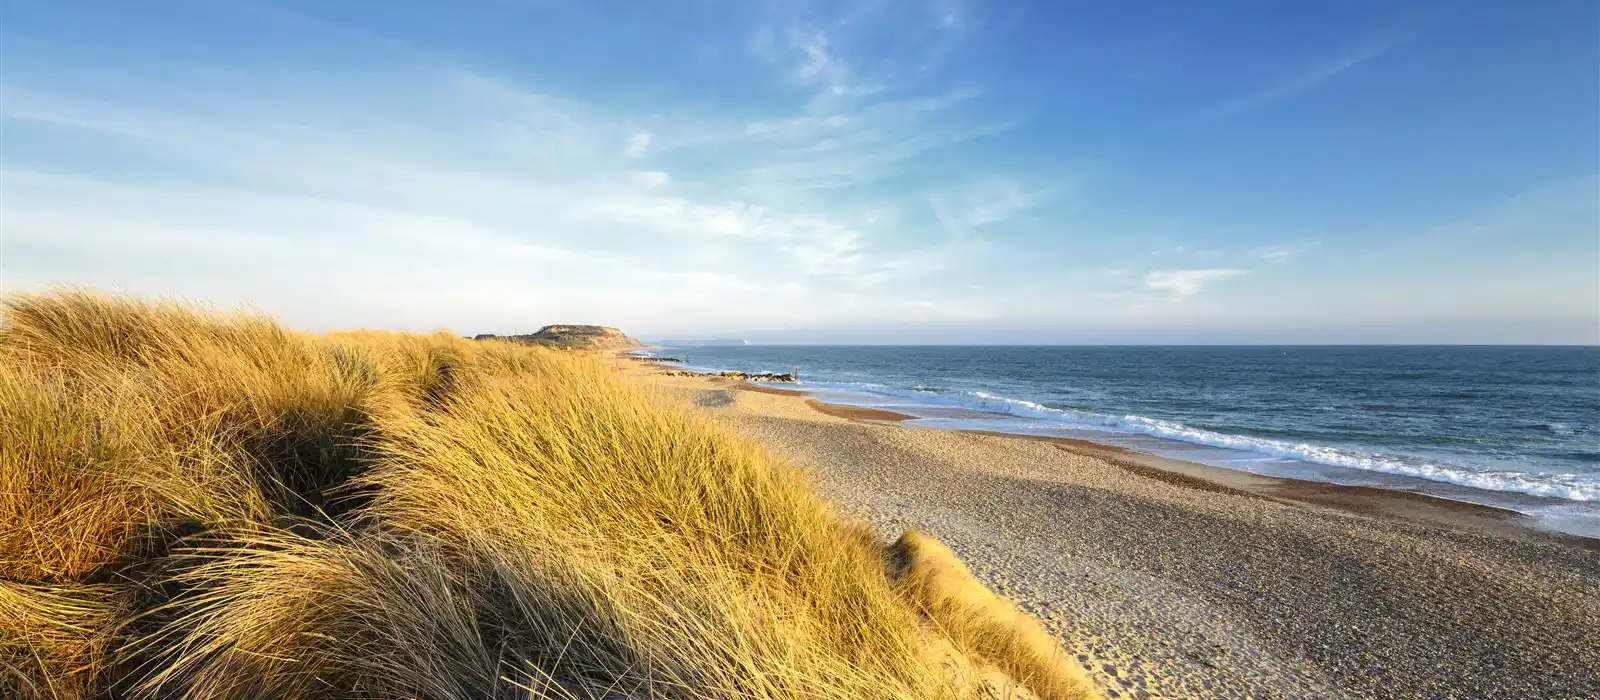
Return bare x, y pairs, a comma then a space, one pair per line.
206, 505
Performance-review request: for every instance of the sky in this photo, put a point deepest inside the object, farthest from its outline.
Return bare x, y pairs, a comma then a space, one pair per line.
873, 171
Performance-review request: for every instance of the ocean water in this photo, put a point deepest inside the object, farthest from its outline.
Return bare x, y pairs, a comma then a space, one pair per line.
1516, 427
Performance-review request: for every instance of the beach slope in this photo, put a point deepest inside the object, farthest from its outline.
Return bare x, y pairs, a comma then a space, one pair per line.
1175, 579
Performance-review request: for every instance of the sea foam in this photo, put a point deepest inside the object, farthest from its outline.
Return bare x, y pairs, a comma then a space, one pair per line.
1572, 487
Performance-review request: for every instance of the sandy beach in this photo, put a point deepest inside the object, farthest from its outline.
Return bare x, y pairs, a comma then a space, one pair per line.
1172, 579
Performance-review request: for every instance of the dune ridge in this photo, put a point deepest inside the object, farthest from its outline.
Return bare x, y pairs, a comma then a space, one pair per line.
204, 504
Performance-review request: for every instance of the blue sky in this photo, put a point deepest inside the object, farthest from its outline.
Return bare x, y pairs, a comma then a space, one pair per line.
871, 171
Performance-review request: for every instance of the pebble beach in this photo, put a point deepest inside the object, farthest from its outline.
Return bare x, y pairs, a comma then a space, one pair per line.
1171, 579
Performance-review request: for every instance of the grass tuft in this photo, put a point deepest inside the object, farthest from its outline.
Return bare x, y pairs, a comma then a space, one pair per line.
54, 637
983, 625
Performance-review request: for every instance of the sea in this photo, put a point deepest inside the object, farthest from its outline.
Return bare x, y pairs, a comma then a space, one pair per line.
1511, 427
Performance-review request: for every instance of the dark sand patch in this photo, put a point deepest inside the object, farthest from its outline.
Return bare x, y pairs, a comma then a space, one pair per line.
746, 386
714, 398
1363, 500
856, 412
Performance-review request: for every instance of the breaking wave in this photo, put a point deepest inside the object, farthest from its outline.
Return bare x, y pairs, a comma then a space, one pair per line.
1573, 487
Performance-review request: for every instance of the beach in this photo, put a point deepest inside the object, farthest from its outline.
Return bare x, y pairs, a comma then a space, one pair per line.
1172, 579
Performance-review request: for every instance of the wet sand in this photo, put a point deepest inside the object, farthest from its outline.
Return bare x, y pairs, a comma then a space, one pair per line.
1172, 579
856, 412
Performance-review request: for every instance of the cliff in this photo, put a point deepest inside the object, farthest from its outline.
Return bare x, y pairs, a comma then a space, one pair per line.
571, 336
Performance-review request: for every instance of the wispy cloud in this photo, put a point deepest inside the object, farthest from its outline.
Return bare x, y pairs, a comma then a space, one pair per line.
1555, 207
809, 57
864, 109
1280, 253
1188, 251
1179, 285
1369, 48
859, 145
964, 209
950, 14
546, 202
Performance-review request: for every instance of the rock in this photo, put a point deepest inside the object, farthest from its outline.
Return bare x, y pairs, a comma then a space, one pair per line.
741, 376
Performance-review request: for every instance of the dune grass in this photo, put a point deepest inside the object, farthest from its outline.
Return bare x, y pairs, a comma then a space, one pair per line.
53, 638
197, 504
978, 622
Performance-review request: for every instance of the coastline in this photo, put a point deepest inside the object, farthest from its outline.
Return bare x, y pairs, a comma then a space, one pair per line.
1357, 499
1179, 579
1534, 502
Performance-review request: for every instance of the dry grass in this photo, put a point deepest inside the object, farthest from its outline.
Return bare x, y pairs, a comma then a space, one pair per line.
982, 624
53, 638
89, 470
377, 515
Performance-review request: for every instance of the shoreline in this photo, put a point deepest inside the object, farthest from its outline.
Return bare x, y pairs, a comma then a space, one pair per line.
1177, 579
1366, 499
1500, 507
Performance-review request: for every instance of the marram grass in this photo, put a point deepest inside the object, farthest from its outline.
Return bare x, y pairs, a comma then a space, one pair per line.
197, 504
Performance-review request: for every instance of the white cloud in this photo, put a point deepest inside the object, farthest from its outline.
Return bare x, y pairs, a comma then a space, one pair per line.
639, 144
650, 178
421, 196
1182, 284
469, 199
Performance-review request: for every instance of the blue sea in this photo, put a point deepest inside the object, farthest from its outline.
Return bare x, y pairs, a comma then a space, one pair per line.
1515, 427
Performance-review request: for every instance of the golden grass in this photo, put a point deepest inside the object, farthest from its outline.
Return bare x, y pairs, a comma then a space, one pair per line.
205, 505
982, 624
53, 638
87, 469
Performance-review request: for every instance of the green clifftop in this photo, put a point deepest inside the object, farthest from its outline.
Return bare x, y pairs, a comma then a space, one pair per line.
565, 335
